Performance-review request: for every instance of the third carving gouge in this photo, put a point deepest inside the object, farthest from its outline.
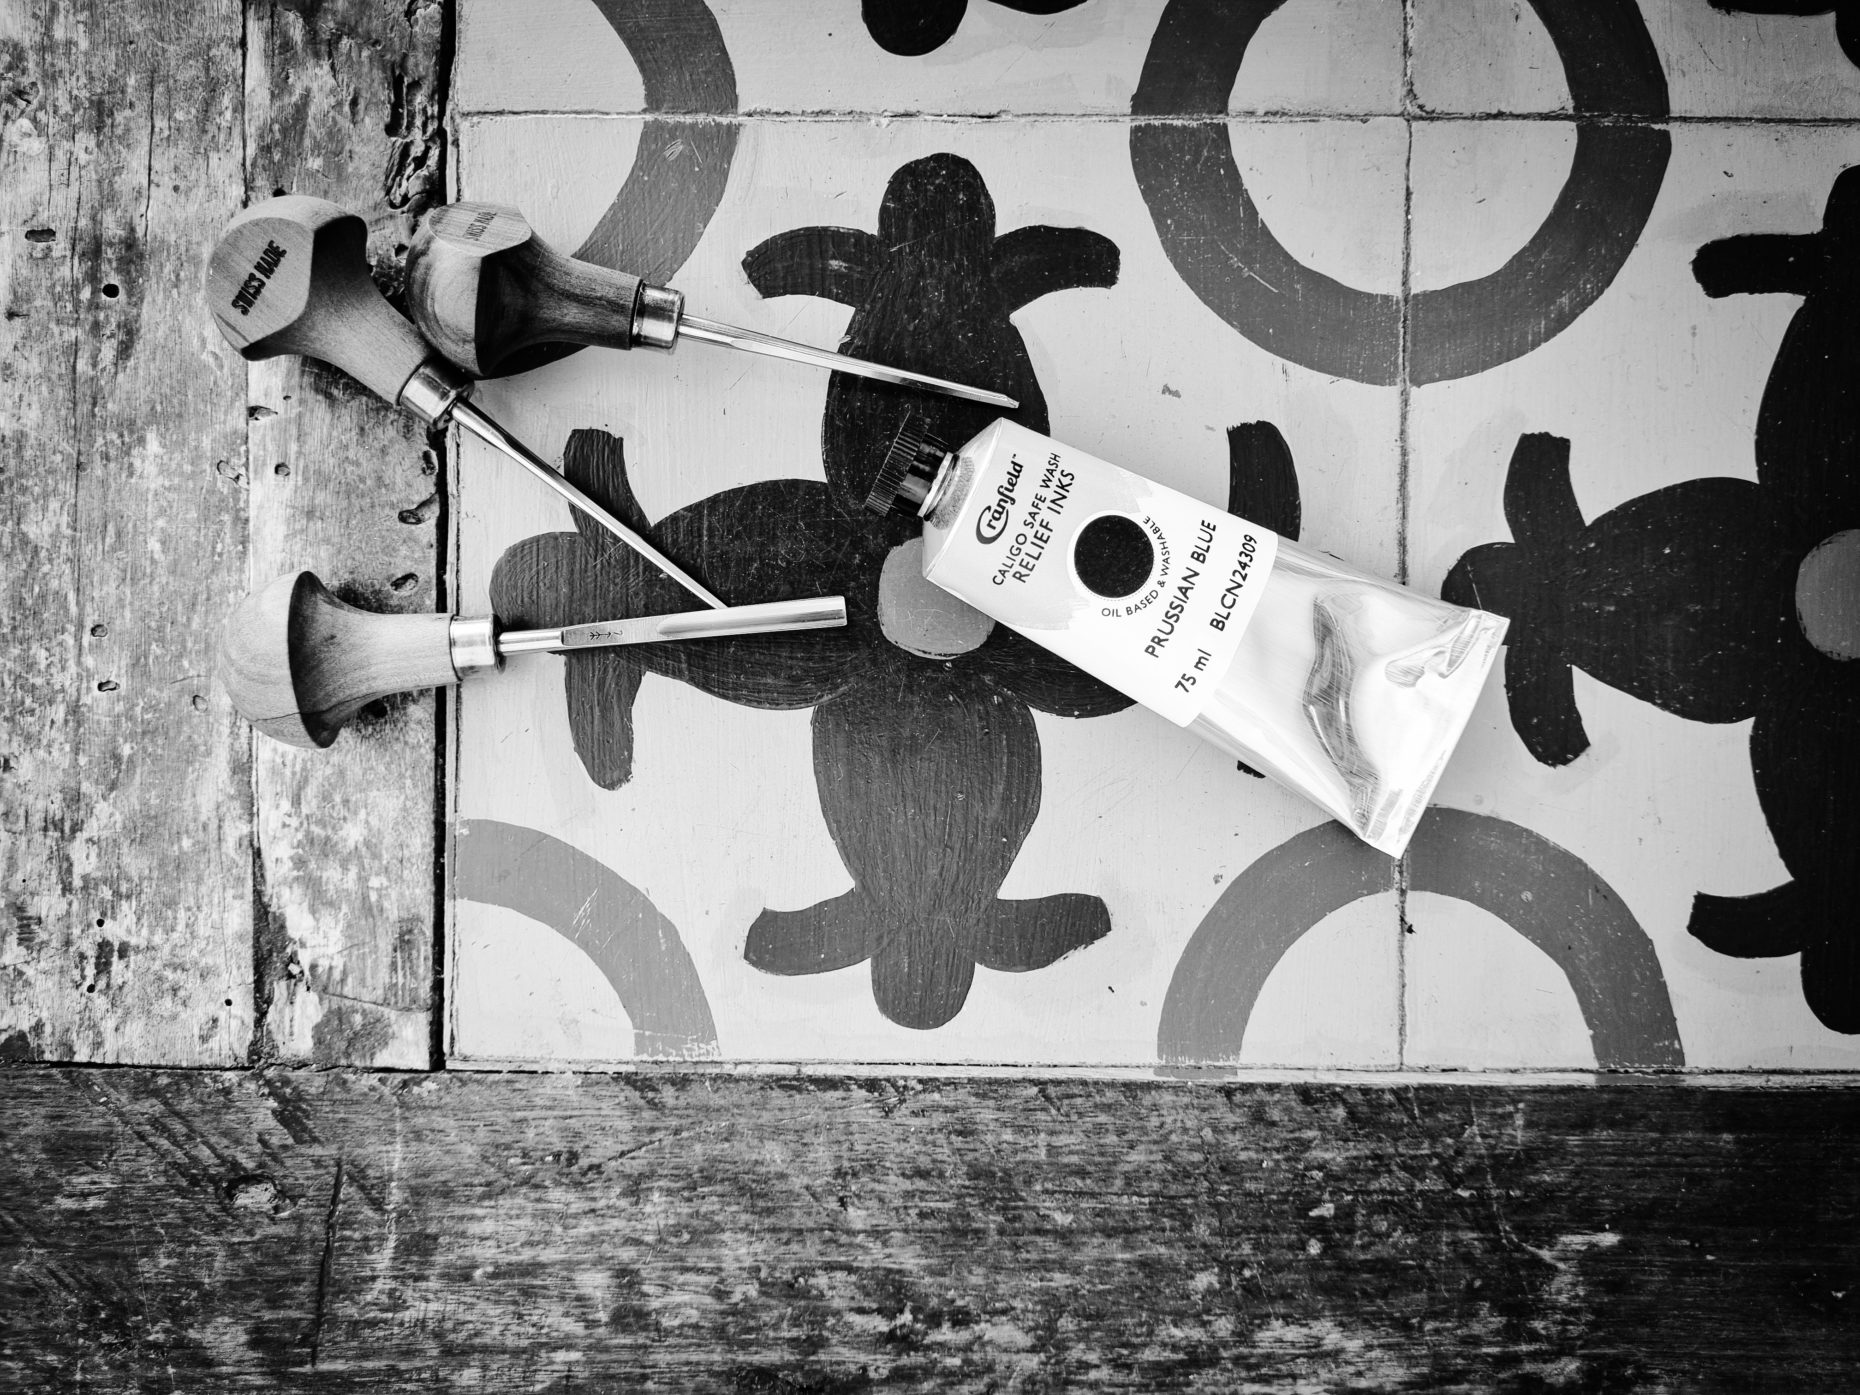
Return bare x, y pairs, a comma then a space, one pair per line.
482, 287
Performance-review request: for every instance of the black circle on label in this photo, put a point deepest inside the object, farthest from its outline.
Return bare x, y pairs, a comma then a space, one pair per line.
1113, 555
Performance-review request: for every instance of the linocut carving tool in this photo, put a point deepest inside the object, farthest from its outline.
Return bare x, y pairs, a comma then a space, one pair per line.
290, 276
482, 287
299, 663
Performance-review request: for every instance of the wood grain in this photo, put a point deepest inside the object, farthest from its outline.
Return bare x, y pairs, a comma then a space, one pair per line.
122, 536
344, 102
697, 1231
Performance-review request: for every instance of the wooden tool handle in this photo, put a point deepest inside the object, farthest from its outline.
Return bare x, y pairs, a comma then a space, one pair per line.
290, 276
298, 663
482, 287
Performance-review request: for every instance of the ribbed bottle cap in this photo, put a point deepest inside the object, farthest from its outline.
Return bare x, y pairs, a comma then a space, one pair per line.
909, 470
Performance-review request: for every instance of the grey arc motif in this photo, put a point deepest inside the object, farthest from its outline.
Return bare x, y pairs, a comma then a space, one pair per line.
1544, 892
682, 163
637, 949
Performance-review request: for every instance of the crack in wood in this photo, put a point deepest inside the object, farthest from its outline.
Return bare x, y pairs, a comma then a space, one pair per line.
315, 1338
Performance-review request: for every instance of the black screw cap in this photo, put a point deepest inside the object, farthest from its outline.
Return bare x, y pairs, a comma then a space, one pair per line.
910, 468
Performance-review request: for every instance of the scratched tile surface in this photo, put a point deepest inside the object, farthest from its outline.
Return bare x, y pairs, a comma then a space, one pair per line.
1469, 317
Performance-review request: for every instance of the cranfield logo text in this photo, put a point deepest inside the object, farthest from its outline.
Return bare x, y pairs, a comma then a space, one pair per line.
992, 521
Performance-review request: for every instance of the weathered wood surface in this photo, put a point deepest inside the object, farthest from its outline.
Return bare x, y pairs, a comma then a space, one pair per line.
171, 897
151, 480
124, 775
694, 1231
344, 101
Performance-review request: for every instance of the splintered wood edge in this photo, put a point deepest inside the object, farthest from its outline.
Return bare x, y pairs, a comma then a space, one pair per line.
344, 846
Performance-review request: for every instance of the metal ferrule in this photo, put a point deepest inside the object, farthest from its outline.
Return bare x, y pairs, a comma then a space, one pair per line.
433, 390
938, 486
474, 644
655, 321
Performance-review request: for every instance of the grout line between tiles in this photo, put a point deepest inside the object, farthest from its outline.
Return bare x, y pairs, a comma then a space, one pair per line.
445, 714
1410, 111
1404, 401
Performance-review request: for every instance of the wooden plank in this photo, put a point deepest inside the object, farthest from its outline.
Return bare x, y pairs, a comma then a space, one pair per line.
123, 772
344, 102
679, 1231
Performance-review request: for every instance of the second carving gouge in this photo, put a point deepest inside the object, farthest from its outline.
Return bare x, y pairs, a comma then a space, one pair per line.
482, 287
290, 276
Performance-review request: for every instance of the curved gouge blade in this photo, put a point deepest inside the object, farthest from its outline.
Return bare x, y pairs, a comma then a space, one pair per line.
469, 418
758, 343
290, 276
490, 294
814, 613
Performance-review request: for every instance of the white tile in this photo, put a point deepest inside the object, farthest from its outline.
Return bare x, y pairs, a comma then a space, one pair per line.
1481, 996
1654, 384
722, 815
817, 56
1498, 56
1327, 1002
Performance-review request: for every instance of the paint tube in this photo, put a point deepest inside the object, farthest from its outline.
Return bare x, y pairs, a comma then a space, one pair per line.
1347, 688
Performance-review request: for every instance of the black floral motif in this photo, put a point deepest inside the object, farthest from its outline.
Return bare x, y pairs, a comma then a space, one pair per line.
1722, 600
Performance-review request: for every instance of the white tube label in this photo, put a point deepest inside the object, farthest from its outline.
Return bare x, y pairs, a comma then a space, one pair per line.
1142, 587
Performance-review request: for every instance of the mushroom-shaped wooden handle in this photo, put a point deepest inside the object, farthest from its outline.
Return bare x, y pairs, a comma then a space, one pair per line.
290, 276
482, 287
298, 663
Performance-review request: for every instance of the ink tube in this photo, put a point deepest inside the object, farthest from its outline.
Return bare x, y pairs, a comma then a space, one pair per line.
1347, 688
